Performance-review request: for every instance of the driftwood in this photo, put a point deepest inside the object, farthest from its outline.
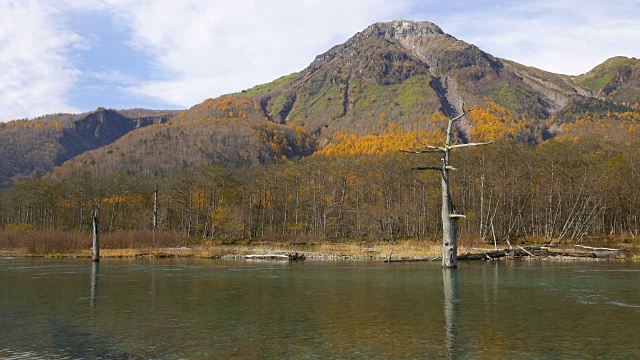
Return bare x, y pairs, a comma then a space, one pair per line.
537, 251
292, 256
489, 255
572, 254
597, 248
546, 251
388, 260
540, 251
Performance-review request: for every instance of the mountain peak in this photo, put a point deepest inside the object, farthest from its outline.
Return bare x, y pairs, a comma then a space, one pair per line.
402, 29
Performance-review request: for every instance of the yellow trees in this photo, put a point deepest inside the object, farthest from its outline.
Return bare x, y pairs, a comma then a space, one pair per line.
495, 123
391, 140
486, 124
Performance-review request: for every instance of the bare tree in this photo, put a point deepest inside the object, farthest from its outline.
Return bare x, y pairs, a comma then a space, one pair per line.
449, 216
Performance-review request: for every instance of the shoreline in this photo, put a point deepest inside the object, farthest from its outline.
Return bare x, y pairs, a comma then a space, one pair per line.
323, 252
145, 244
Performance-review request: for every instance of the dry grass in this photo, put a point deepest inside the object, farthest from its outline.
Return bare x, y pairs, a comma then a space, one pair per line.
118, 244
173, 244
44, 242
399, 249
139, 239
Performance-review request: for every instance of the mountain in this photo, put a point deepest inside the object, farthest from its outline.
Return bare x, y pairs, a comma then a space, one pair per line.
401, 73
31, 148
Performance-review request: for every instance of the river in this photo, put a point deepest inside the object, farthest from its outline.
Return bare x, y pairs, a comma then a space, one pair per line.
236, 309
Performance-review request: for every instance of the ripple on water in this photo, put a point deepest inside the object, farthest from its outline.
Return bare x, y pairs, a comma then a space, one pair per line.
8, 354
621, 304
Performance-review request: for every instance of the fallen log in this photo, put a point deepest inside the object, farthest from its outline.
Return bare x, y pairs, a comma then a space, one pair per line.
407, 260
597, 248
293, 256
268, 257
571, 254
527, 251
469, 256
517, 253
485, 255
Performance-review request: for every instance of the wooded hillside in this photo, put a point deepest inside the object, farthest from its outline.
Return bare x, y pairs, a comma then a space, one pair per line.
32, 148
563, 189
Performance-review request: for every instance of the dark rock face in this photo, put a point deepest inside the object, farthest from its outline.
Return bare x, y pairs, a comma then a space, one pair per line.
100, 128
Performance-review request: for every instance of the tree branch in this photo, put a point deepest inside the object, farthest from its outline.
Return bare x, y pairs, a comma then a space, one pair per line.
469, 144
427, 168
423, 151
464, 112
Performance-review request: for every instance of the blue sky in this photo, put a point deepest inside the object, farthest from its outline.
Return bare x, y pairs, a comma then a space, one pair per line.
77, 55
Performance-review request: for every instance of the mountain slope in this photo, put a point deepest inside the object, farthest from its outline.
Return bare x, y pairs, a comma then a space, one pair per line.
159, 149
398, 72
616, 80
31, 148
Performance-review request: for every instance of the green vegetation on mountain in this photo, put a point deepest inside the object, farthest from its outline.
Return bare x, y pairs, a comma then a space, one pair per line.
616, 80
582, 108
274, 85
604, 76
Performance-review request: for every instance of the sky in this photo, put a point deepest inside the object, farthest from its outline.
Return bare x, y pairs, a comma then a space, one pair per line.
77, 55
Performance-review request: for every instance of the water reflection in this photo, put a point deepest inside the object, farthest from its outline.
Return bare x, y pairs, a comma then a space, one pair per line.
451, 311
490, 286
95, 272
154, 288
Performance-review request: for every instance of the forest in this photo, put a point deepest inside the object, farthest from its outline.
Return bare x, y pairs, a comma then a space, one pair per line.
571, 188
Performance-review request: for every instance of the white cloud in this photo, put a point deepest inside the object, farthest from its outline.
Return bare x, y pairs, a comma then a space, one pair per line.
112, 76
204, 48
37, 69
563, 36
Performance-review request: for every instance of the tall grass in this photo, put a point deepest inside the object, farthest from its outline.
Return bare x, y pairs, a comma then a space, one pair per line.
137, 239
44, 242
166, 243
74, 243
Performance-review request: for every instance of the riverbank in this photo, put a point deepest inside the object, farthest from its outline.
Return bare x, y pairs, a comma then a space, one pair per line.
402, 251
325, 251
139, 244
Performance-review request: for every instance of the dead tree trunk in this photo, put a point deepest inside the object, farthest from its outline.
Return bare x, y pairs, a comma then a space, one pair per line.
449, 224
155, 214
95, 229
449, 217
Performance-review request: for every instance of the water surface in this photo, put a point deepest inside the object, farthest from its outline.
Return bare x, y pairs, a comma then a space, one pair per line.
203, 309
